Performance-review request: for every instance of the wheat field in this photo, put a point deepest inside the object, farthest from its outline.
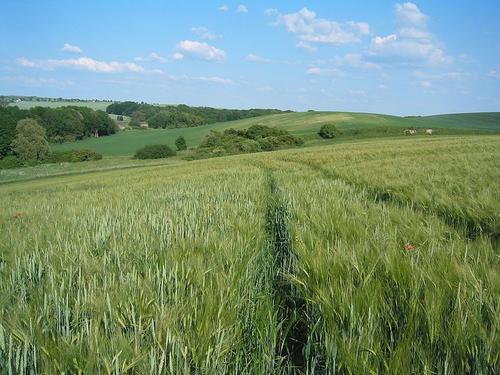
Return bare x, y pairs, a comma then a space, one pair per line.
367, 257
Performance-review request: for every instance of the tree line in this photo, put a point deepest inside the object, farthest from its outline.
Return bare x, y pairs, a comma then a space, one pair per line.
181, 116
30, 147
64, 124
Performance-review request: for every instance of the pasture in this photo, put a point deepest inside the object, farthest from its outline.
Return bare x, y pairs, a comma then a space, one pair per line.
370, 256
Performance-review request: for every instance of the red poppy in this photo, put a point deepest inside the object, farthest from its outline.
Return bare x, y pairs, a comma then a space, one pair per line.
409, 246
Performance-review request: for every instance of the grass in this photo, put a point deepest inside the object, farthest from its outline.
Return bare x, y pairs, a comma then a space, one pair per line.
63, 169
418, 174
376, 307
327, 259
191, 292
306, 125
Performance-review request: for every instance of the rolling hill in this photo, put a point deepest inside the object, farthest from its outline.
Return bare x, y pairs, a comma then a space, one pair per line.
305, 124
481, 120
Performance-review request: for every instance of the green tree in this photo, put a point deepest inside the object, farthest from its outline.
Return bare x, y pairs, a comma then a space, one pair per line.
328, 131
8, 122
31, 140
123, 108
160, 120
180, 143
65, 122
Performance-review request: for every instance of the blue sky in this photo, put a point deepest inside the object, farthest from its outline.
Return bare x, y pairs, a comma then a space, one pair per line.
379, 56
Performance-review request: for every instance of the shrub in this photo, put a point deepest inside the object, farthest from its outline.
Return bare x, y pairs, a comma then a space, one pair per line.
119, 118
212, 140
328, 131
261, 131
244, 146
269, 143
236, 141
154, 152
180, 143
290, 140
10, 162
72, 156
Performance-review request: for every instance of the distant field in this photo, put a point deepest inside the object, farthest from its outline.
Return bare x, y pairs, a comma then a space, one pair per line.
371, 257
29, 104
483, 120
303, 124
295, 121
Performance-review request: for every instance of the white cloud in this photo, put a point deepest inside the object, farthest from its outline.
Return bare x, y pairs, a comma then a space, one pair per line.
83, 63
153, 56
410, 50
413, 32
204, 33
323, 71
177, 56
350, 60
355, 60
71, 48
216, 79
408, 13
201, 50
224, 8
257, 59
494, 73
242, 9
426, 84
412, 43
311, 29
362, 28
381, 40
306, 46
